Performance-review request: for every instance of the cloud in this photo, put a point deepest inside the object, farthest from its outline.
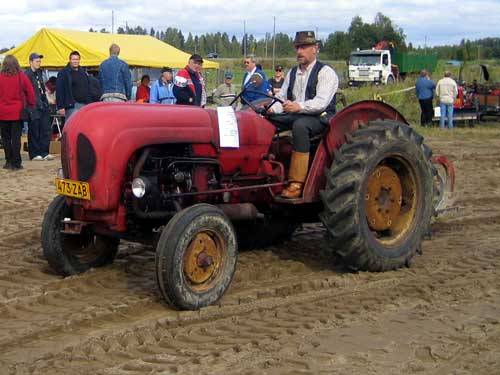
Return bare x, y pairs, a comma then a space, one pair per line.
422, 20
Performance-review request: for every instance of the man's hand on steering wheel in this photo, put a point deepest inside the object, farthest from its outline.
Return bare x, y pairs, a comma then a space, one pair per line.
291, 107
274, 100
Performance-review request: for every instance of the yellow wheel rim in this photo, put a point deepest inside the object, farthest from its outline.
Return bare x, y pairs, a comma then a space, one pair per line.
391, 201
203, 259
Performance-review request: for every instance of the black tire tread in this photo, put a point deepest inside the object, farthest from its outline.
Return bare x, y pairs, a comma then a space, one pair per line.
165, 265
58, 260
345, 239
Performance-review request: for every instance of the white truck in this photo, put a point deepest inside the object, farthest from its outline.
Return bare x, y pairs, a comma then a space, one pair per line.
370, 66
382, 66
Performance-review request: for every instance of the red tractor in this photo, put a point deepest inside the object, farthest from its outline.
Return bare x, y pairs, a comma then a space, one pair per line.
157, 174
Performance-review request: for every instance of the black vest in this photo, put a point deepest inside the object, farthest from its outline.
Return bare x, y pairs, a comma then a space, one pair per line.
312, 83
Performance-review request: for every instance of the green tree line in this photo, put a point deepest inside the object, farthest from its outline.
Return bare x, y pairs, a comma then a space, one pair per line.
337, 45
467, 50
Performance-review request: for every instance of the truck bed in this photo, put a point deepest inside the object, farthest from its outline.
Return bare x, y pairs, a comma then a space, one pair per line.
413, 63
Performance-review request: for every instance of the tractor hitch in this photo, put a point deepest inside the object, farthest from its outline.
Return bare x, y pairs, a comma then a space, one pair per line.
73, 226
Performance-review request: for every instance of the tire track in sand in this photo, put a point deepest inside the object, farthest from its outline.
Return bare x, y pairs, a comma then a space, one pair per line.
332, 288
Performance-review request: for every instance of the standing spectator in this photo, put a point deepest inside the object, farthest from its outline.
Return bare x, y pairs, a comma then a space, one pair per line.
39, 127
16, 93
115, 78
254, 81
189, 86
143, 91
277, 81
226, 92
447, 91
50, 90
94, 86
162, 90
424, 88
72, 86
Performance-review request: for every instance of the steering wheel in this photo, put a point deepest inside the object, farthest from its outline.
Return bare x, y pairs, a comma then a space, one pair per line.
265, 108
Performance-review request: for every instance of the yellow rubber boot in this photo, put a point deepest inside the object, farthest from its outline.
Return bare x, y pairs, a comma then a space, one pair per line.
297, 175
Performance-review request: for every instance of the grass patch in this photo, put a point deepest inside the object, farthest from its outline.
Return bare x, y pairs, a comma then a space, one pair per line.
486, 130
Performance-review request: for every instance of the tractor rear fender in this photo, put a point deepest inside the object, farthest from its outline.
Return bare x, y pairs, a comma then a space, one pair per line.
344, 123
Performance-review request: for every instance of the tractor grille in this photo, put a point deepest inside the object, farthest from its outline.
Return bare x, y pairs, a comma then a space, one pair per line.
364, 72
86, 158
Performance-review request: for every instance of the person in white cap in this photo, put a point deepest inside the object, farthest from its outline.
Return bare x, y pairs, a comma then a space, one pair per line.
226, 92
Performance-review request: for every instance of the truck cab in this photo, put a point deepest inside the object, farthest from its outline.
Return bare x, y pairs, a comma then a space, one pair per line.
370, 66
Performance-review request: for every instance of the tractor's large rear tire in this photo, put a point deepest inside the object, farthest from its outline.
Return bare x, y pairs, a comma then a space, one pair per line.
69, 254
378, 197
196, 257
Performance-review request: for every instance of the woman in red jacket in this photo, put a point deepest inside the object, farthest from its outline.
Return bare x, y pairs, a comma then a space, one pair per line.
15, 90
143, 90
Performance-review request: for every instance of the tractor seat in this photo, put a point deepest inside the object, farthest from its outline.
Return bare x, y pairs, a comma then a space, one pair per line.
288, 133
282, 129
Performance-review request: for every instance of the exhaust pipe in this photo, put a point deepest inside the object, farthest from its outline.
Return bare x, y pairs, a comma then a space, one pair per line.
240, 211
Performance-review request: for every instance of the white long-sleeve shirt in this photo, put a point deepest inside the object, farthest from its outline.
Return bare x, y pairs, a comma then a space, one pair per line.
328, 84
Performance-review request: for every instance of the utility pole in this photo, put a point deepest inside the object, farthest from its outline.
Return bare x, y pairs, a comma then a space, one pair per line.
274, 40
425, 46
112, 22
265, 48
244, 38
317, 39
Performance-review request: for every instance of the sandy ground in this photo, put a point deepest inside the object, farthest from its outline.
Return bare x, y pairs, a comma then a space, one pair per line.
288, 311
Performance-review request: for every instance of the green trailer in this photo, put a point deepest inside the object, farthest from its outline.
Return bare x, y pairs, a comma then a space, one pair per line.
408, 62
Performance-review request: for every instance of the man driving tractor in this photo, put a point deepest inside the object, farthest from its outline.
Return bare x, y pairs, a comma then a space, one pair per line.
309, 103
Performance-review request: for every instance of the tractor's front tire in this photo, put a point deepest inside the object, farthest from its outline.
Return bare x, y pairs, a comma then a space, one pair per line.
378, 197
69, 254
196, 257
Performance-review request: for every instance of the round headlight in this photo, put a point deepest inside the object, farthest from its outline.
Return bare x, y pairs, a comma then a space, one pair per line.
138, 187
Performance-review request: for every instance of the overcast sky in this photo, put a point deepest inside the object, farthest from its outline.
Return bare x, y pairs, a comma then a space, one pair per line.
438, 22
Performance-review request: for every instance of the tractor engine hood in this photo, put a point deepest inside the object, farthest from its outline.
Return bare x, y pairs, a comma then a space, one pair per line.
99, 140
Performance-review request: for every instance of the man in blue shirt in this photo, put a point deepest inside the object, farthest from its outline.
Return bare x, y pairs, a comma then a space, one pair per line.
424, 88
115, 77
254, 81
162, 90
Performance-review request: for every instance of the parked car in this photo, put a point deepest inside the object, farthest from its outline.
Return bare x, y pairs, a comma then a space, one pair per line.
212, 55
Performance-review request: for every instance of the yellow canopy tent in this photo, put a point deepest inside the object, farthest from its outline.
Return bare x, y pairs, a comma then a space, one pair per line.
137, 50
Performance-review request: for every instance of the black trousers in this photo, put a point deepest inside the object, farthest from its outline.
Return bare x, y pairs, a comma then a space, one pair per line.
427, 111
39, 134
303, 127
11, 137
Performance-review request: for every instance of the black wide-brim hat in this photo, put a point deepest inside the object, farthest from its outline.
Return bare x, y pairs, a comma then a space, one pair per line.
303, 38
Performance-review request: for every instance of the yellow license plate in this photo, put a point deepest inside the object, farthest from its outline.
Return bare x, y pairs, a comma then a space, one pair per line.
75, 189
